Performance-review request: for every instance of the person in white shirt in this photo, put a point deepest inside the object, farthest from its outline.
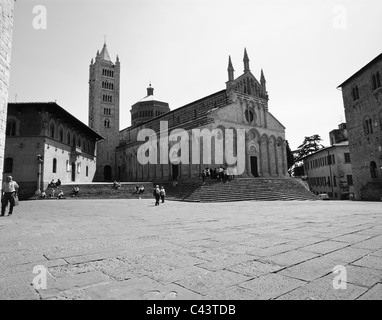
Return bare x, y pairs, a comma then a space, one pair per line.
8, 194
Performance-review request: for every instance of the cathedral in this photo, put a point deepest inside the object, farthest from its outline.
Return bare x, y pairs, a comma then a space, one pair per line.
241, 107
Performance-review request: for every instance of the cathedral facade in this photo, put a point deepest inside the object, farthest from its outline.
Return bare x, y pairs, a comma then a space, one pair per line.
241, 108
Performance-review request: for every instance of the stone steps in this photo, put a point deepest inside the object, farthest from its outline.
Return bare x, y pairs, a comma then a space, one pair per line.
261, 189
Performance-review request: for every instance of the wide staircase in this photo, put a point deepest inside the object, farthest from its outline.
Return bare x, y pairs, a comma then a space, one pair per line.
261, 189
239, 189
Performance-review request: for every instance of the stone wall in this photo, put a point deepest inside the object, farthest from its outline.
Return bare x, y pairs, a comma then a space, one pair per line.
365, 145
6, 27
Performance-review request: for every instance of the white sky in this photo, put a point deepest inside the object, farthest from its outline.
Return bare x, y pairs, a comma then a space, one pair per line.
182, 47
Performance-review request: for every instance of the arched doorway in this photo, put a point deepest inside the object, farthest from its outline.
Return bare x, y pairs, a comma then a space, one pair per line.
73, 171
107, 173
254, 168
373, 170
175, 171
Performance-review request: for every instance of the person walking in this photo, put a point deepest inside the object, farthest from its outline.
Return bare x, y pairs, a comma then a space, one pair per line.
162, 193
8, 194
157, 195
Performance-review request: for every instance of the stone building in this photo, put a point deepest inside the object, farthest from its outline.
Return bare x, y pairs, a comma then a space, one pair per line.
45, 142
243, 105
339, 135
362, 97
104, 78
6, 27
329, 170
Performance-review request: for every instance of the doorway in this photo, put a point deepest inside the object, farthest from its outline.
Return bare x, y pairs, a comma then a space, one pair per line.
107, 173
73, 171
175, 171
254, 169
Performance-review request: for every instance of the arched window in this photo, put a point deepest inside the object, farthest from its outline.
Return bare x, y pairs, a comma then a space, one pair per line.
68, 138
74, 140
11, 128
61, 135
373, 170
51, 130
54, 165
371, 126
8, 165
79, 142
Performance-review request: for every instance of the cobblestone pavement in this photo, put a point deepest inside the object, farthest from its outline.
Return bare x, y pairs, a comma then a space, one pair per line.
130, 249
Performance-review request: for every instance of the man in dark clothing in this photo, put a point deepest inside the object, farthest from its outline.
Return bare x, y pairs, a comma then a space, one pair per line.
157, 195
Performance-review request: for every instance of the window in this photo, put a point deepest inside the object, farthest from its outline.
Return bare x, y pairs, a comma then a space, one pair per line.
249, 115
52, 129
329, 182
355, 93
376, 81
87, 171
347, 157
349, 179
74, 140
68, 138
373, 170
61, 135
8, 165
54, 165
11, 128
335, 181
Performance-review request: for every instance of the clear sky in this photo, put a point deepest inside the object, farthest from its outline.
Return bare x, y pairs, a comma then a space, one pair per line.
305, 47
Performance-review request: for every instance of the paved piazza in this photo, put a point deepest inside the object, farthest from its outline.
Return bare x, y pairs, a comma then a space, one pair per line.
130, 249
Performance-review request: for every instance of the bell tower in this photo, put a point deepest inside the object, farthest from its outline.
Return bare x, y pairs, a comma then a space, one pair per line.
104, 77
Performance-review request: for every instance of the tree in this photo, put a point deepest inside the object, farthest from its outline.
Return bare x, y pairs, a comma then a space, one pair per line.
289, 154
310, 145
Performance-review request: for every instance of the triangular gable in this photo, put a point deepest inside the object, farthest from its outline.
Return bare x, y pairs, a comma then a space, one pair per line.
248, 84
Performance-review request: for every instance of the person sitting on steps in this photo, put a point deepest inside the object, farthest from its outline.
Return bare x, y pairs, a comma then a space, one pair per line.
75, 191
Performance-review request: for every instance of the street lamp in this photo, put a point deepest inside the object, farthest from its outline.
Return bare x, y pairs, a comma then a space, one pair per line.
39, 162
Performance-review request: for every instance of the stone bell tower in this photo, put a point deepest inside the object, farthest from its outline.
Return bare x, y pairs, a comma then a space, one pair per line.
104, 86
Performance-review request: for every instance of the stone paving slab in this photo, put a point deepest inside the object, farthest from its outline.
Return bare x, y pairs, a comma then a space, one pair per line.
363, 277
272, 286
325, 247
312, 269
290, 258
374, 293
140, 289
348, 254
254, 268
242, 250
212, 281
372, 262
322, 289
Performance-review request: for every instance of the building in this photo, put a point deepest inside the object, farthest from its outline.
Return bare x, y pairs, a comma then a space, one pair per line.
362, 98
104, 78
329, 170
6, 27
45, 142
339, 135
242, 104
148, 108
